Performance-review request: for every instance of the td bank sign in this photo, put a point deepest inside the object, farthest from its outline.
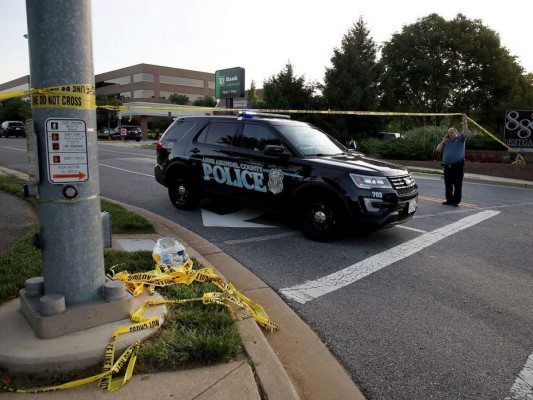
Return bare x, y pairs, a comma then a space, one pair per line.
229, 83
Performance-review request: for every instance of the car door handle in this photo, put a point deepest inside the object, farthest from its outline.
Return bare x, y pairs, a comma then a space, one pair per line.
196, 150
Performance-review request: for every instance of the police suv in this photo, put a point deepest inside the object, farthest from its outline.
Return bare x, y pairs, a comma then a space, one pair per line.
276, 163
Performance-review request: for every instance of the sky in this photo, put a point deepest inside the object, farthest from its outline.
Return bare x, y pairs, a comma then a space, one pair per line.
259, 36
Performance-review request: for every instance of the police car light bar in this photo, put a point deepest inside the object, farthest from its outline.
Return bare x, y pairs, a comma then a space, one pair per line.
252, 114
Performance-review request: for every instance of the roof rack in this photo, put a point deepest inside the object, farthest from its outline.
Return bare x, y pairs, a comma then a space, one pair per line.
253, 114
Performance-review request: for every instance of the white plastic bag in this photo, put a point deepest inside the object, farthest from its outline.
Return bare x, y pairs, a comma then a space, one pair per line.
169, 252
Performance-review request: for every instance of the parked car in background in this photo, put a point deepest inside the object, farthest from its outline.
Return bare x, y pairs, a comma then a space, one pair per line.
12, 128
132, 133
389, 136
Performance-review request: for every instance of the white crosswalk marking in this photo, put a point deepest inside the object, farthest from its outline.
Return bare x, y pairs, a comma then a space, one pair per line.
310, 290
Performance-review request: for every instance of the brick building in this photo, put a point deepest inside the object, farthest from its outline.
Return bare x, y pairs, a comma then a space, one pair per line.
154, 83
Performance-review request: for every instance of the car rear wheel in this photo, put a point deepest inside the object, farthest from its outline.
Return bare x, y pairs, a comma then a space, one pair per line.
320, 217
183, 194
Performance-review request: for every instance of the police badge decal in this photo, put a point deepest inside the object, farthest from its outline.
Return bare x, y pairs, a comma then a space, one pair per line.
275, 180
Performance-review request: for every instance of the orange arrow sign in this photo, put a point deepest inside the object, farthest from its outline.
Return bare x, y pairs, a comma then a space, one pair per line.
80, 175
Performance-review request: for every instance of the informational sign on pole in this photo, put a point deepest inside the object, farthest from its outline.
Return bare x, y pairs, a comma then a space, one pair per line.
229, 83
66, 144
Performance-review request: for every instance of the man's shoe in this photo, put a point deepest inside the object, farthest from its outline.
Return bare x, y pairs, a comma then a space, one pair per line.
455, 205
447, 203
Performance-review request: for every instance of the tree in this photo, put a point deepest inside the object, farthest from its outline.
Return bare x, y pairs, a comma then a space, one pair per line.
252, 98
286, 90
206, 101
181, 99
352, 81
444, 66
15, 109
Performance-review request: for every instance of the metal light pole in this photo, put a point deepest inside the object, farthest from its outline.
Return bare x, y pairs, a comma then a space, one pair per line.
72, 294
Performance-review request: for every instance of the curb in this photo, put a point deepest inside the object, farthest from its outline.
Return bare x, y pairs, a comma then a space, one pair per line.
474, 178
272, 377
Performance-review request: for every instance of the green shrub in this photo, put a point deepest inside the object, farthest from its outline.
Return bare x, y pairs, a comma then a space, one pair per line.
419, 144
482, 142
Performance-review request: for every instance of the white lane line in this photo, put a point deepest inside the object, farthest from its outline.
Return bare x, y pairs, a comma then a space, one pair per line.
261, 238
13, 148
310, 290
410, 229
522, 388
126, 170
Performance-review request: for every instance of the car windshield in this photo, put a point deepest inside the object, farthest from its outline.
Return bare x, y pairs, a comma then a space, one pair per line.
311, 141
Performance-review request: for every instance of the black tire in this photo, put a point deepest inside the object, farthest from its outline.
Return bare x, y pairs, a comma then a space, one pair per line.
183, 195
320, 217
137, 140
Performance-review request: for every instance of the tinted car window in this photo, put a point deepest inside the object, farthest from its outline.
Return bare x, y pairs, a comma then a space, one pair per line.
219, 133
179, 129
311, 141
256, 137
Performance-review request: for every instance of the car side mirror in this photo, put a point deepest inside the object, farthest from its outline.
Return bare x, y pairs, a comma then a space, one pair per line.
352, 145
275, 151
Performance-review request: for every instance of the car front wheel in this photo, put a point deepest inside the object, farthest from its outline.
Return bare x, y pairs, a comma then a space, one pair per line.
183, 195
320, 217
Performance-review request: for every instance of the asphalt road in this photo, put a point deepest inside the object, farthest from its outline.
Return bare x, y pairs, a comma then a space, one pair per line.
437, 309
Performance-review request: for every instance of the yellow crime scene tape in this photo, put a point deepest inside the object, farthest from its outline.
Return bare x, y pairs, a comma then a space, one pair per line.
80, 96
83, 97
135, 284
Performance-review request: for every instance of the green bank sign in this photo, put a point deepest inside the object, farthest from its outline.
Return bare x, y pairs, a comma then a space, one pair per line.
229, 83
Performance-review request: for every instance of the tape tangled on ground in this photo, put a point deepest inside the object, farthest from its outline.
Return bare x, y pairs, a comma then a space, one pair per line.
185, 274
160, 277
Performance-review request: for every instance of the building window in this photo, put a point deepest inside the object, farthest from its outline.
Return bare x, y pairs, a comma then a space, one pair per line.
176, 80
143, 77
143, 94
125, 80
24, 86
211, 84
163, 94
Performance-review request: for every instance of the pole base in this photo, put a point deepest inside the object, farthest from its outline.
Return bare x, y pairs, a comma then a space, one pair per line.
75, 317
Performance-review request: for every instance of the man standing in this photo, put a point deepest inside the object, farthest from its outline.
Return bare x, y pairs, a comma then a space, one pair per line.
452, 147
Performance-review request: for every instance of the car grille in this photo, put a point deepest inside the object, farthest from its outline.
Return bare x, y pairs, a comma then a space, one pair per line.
404, 185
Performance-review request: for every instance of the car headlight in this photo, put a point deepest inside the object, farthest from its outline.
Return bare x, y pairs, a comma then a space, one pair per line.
370, 182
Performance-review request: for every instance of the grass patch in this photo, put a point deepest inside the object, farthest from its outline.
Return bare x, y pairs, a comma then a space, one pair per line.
425, 171
19, 263
193, 334
122, 220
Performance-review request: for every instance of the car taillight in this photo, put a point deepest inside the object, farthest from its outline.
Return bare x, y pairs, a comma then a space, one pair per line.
159, 144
